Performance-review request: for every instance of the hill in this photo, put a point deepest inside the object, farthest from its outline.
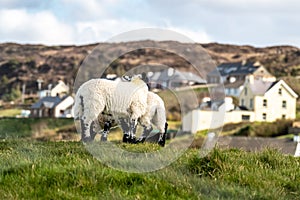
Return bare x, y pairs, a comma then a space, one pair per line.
21, 64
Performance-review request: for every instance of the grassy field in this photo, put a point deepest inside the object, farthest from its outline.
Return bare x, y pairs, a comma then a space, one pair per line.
12, 128
10, 112
66, 170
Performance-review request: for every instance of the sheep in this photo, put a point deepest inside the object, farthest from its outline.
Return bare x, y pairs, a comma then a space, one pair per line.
155, 113
126, 100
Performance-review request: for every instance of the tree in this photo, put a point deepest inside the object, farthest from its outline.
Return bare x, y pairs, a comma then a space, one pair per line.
14, 94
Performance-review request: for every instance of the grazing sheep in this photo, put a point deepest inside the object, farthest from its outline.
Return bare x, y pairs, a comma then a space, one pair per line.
126, 100
155, 114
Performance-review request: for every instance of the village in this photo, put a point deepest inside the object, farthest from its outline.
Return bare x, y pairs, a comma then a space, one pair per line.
252, 94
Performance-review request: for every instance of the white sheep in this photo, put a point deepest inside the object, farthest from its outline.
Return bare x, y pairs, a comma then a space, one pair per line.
126, 100
155, 114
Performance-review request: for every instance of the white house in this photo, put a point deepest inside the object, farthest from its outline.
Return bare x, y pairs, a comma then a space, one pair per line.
260, 101
53, 107
61, 89
269, 100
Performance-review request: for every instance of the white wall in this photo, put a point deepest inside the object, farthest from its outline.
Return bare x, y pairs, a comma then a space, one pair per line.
68, 102
198, 120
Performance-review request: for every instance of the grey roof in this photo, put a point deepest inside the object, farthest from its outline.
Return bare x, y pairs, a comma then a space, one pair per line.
260, 87
48, 102
235, 84
237, 68
168, 74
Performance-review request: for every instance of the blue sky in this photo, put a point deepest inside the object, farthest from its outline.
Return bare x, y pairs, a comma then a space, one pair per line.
53, 22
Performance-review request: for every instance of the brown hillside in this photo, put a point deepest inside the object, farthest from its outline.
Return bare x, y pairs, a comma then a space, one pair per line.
21, 64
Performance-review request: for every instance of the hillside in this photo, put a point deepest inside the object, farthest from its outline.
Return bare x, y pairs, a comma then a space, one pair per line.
66, 170
21, 64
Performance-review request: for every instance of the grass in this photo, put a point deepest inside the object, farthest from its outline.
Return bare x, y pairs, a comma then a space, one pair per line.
10, 127
10, 112
66, 170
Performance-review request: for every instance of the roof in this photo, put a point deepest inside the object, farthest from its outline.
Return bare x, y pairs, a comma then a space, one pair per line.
174, 75
48, 102
260, 87
237, 68
235, 84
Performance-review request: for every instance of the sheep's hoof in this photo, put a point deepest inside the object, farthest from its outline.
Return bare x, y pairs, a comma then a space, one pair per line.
132, 140
125, 138
161, 143
141, 140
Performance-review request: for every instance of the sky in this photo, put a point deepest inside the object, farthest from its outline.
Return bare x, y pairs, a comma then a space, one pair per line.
258, 23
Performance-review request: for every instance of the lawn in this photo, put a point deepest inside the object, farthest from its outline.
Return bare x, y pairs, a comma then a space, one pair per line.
66, 170
10, 112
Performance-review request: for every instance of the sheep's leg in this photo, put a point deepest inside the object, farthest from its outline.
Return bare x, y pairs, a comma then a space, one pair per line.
107, 126
93, 132
85, 136
146, 132
162, 136
126, 129
133, 126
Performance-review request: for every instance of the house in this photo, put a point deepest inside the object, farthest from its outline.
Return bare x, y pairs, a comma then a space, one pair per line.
259, 101
233, 75
50, 106
269, 100
171, 78
61, 89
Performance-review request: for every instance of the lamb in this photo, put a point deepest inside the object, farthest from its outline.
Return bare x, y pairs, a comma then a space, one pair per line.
126, 100
155, 113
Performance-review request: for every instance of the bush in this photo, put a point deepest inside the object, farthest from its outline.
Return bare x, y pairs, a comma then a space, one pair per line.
14, 94
265, 129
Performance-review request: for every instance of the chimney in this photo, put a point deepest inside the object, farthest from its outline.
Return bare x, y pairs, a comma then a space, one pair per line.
244, 62
250, 79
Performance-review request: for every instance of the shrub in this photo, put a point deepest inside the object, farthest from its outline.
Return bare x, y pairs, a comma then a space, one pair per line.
265, 129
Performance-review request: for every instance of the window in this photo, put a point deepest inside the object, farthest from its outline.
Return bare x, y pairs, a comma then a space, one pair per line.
242, 102
246, 91
245, 117
251, 103
265, 103
264, 116
280, 91
283, 104
283, 116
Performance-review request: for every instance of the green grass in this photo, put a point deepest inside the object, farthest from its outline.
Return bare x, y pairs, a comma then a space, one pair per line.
10, 127
66, 170
10, 112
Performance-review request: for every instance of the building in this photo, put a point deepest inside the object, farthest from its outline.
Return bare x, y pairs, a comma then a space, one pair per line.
259, 101
233, 75
61, 89
52, 107
171, 78
269, 100
198, 119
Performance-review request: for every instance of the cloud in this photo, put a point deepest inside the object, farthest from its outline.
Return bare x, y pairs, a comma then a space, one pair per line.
17, 25
256, 22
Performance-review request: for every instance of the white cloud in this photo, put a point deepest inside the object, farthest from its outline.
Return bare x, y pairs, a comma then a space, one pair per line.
255, 22
17, 25
102, 30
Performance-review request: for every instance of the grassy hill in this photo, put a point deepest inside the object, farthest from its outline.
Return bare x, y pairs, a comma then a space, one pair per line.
65, 170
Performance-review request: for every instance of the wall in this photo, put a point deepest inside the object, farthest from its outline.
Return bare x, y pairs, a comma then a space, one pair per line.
198, 120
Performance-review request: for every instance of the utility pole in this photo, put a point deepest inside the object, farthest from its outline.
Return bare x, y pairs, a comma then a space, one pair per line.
23, 92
